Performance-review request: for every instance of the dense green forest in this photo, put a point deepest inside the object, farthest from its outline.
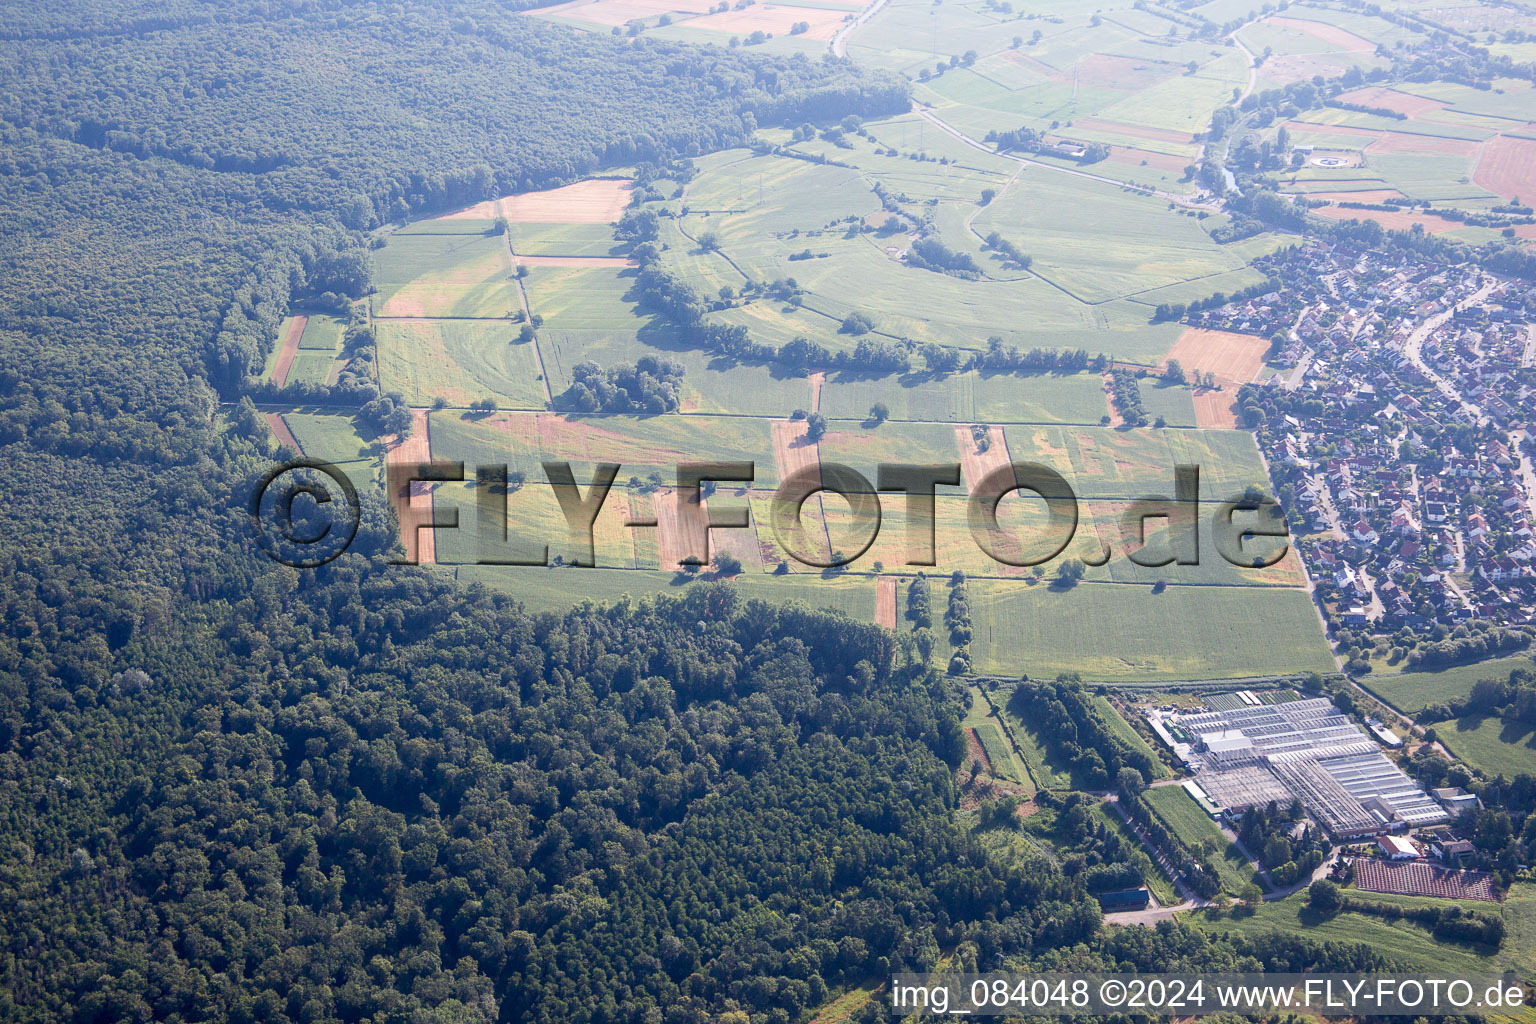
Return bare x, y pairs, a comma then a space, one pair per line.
234, 791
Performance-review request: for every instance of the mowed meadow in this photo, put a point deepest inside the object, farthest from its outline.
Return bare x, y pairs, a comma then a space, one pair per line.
484, 319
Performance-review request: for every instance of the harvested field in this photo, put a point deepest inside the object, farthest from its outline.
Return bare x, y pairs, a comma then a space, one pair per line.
1395, 220
1231, 357
792, 450
279, 428
1040, 67
1215, 409
1293, 67
413, 502
1419, 879
1131, 130
1330, 34
681, 528
574, 261
1106, 71
1507, 167
594, 201
290, 349
620, 12
1137, 157
1407, 142
817, 380
977, 463
1391, 99
774, 19
885, 602
1365, 136
1370, 195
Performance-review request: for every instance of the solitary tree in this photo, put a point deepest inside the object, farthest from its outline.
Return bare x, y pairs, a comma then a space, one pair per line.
1323, 896
879, 413
1071, 571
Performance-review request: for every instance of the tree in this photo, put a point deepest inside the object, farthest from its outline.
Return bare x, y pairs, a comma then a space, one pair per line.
856, 324
1173, 373
815, 426
879, 412
1324, 897
726, 564
1129, 781
1071, 571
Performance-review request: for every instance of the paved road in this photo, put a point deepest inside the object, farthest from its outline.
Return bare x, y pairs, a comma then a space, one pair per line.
838, 45
1414, 346
928, 114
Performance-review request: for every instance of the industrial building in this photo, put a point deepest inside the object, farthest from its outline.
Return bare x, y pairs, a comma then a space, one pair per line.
1247, 752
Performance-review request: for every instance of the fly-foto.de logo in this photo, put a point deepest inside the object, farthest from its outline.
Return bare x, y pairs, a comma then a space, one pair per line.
310, 505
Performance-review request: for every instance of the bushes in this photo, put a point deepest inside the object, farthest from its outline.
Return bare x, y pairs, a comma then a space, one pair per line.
1127, 394
932, 254
1063, 715
649, 386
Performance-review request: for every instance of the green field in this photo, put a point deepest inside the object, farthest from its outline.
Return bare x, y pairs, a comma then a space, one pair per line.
971, 397
1007, 762
444, 276
461, 361
1116, 632
1194, 827
1490, 745
556, 589
340, 440
998, 751
1098, 241
582, 298
1127, 735
1047, 771
1413, 691
565, 240
1407, 944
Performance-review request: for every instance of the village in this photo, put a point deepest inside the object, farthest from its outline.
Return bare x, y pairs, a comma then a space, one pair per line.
1395, 434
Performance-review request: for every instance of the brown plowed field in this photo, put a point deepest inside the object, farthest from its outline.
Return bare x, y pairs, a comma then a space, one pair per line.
413, 502
1232, 357
280, 431
1508, 168
1391, 99
1331, 34
1157, 161
1407, 142
594, 201
976, 463
791, 450
773, 18
1215, 410
285, 355
1395, 220
574, 261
